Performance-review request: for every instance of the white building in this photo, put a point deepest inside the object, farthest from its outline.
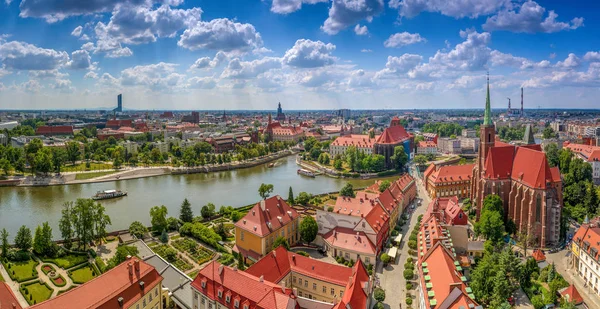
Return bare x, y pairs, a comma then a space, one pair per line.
130, 147
8, 125
590, 154
585, 250
162, 146
469, 144
449, 145
426, 148
362, 143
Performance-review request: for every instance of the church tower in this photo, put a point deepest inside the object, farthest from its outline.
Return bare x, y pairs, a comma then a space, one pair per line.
487, 133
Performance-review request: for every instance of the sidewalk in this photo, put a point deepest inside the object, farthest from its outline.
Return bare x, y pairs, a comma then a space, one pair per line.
561, 261
14, 286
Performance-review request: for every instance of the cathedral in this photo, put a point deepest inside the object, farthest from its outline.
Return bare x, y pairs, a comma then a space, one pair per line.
520, 175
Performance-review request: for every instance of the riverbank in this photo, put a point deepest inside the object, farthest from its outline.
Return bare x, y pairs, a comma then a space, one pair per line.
141, 172
319, 169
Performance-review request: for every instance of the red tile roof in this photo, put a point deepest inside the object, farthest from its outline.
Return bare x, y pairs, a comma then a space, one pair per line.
267, 216
280, 262
453, 173
242, 287
355, 295
531, 167
54, 130
571, 294
8, 299
449, 207
356, 206
590, 153
588, 240
378, 219
347, 239
104, 291
359, 141
393, 135
388, 201
498, 164
119, 123
427, 144
538, 255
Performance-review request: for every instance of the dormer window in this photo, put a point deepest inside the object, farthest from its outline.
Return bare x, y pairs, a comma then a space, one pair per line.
245, 306
227, 298
220, 293
204, 284
236, 303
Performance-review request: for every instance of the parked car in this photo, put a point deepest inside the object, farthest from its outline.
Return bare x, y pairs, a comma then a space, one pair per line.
511, 301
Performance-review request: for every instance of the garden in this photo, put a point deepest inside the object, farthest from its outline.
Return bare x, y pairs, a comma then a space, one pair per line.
82, 274
36, 292
21, 271
194, 250
172, 256
68, 260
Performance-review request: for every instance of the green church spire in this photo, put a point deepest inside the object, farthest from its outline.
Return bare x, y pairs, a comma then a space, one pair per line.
487, 117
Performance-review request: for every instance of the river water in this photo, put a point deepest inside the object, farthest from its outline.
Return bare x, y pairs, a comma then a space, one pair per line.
33, 205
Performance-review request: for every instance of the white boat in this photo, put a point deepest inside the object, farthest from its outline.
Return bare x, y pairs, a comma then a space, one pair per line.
107, 194
306, 172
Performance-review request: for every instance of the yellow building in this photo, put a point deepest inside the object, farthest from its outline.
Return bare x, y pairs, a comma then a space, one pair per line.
269, 219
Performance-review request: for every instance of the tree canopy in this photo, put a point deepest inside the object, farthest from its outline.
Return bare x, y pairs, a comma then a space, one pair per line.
308, 229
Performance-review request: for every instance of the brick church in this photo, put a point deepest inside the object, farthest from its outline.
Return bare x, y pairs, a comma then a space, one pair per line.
520, 175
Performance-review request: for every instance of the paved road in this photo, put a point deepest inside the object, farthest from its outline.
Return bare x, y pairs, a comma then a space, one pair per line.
561, 261
391, 278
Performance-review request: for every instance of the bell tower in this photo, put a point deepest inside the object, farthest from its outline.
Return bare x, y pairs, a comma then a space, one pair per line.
487, 132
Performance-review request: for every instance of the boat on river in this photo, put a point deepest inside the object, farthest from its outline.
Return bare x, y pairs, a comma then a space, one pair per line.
305, 172
108, 194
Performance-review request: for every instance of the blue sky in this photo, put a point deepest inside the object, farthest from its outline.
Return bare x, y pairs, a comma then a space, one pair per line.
307, 54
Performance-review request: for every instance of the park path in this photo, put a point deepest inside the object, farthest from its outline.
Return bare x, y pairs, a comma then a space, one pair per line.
46, 278
14, 286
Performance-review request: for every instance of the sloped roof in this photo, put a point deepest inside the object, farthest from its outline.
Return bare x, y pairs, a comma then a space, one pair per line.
449, 206
538, 255
531, 167
357, 140
52, 130
499, 162
393, 135
453, 173
355, 295
356, 206
7, 297
105, 290
346, 238
571, 294
267, 216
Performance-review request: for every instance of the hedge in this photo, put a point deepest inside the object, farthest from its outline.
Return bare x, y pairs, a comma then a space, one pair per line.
59, 285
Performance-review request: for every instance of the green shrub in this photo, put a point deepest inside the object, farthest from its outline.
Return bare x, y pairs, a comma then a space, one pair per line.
408, 274
379, 294
412, 244
303, 253
409, 286
385, 258
409, 301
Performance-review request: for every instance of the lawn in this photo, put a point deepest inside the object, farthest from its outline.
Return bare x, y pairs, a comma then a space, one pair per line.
67, 261
83, 274
36, 293
22, 271
85, 176
1, 278
81, 167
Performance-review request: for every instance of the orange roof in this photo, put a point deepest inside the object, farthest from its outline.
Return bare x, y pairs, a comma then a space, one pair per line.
104, 291
538, 255
347, 239
356, 206
242, 287
267, 216
427, 144
590, 153
405, 181
452, 173
571, 294
7, 297
388, 201
354, 295
588, 239
280, 262
393, 135
359, 141
448, 206
378, 219
446, 283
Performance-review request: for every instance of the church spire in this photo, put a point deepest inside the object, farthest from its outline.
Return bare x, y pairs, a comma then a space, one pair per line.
487, 117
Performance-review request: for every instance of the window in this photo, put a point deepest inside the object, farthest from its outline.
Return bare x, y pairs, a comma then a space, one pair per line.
341, 294
347, 255
538, 208
367, 260
294, 279
242, 236
204, 284
209, 305
236, 303
305, 283
324, 289
314, 286
137, 306
150, 297
156, 292
144, 302
227, 298
300, 293
220, 294
203, 300
299, 281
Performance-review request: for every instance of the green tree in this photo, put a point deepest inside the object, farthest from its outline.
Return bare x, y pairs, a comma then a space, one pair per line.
73, 152
493, 202
101, 221
281, 241
265, 190
4, 236
23, 238
552, 154
164, 237
5, 165
186, 214
347, 190
240, 264
549, 133
308, 229
420, 160
59, 157
65, 224
158, 218
137, 229
379, 294
384, 185
43, 160
38, 241
351, 156
337, 164
290, 199
205, 212
303, 198
491, 226
400, 158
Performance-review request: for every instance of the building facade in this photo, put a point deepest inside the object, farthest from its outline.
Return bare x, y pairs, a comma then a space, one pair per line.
363, 143
426, 148
447, 181
520, 175
260, 227
394, 136
585, 254
449, 145
590, 154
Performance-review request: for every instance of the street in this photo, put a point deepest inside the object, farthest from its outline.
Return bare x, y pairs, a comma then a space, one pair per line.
391, 279
561, 262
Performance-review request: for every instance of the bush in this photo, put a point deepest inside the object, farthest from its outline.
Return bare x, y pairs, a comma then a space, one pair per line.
92, 252
409, 260
409, 301
408, 274
202, 233
378, 306
409, 286
379, 294
385, 258
395, 233
412, 244
412, 252
303, 253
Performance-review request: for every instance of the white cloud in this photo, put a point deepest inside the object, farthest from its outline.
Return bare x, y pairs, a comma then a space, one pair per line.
592, 56
119, 52
221, 34
47, 74
32, 85
91, 75
4, 72
56, 10
452, 8
206, 62
571, 62
89, 46
77, 31
364, 50
403, 39
360, 79
63, 85
80, 60
344, 13
529, 18
309, 54
237, 69
201, 83
23, 56
289, 6
159, 76
399, 65
361, 30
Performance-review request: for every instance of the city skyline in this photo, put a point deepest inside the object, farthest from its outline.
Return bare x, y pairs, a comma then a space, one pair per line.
307, 54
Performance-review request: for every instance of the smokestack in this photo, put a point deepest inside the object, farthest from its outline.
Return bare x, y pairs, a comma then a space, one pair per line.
521, 101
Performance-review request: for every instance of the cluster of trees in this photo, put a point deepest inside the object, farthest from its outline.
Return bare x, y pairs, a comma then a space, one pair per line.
254, 150
359, 161
443, 129
549, 133
495, 278
491, 223
38, 158
581, 197
511, 133
84, 220
42, 242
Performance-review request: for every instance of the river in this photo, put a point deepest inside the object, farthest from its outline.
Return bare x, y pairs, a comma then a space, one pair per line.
34, 205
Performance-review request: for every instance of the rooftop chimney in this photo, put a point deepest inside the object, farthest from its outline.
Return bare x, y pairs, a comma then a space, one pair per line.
261, 278
262, 205
220, 269
136, 264
130, 269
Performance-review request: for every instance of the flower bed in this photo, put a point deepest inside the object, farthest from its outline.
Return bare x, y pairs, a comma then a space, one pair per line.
59, 281
36, 292
177, 260
194, 250
46, 268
